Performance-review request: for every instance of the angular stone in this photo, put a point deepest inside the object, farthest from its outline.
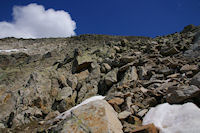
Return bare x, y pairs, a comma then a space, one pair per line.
52, 115
82, 75
111, 77
116, 101
72, 81
169, 51
142, 112
123, 115
196, 80
178, 95
130, 75
64, 93
127, 59
117, 49
81, 63
96, 117
151, 101
188, 67
107, 67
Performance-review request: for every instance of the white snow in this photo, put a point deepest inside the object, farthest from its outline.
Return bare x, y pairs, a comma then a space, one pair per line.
174, 118
12, 50
9, 50
68, 112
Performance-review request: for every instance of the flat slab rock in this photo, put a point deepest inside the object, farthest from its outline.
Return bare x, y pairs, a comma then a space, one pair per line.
174, 118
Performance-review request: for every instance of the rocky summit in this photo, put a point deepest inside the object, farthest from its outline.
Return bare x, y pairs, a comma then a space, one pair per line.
43, 80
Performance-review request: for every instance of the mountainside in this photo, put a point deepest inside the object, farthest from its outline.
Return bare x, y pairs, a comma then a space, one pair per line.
41, 78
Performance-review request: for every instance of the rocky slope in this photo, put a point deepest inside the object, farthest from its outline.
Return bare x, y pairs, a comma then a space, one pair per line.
41, 78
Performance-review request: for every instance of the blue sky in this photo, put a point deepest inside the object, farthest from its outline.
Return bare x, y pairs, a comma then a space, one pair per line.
120, 17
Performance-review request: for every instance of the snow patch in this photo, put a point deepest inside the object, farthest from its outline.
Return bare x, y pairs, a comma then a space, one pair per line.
12, 50
174, 118
68, 112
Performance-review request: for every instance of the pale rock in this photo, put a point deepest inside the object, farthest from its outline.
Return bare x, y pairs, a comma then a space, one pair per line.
142, 112
188, 67
130, 75
2, 126
117, 101
117, 49
72, 81
64, 93
111, 77
124, 115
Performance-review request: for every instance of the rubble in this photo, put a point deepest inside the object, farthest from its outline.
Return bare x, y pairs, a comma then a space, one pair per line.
133, 73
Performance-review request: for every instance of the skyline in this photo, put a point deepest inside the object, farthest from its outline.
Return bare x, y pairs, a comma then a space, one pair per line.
127, 18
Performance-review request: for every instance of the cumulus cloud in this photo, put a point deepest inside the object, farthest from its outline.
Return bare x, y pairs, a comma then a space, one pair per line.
33, 21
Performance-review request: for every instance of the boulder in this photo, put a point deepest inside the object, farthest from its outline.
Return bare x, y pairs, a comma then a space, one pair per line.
95, 116
179, 94
81, 63
130, 75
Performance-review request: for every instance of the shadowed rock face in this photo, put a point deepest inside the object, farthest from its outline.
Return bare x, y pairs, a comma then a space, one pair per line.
44, 76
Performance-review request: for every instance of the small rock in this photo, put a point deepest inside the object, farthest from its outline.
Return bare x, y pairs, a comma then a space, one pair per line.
123, 115
127, 59
52, 115
130, 75
64, 93
188, 67
142, 112
196, 80
135, 108
151, 101
72, 81
117, 101
124, 42
117, 49
111, 77
169, 51
2, 126
82, 75
107, 67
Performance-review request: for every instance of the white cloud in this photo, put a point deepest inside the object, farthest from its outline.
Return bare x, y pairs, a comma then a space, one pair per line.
33, 21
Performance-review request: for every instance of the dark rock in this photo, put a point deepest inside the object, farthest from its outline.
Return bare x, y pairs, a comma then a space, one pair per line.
179, 95
169, 51
196, 80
